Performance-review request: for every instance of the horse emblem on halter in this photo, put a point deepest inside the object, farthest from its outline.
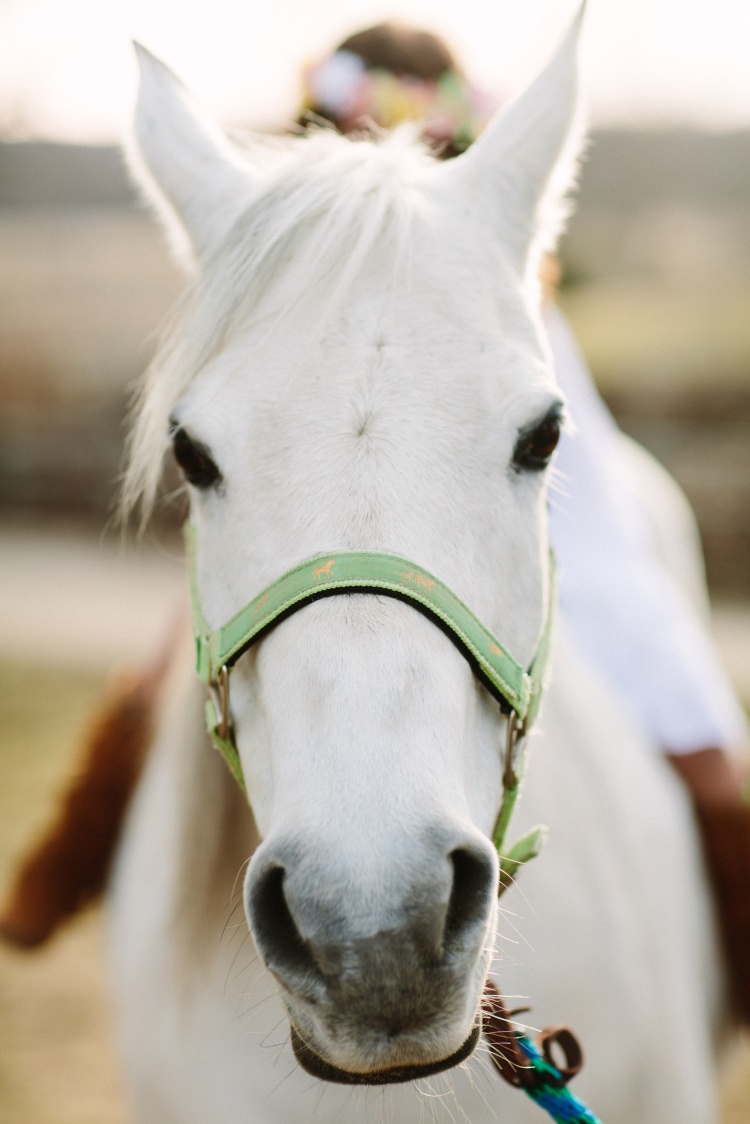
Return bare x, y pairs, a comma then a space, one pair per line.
260, 603
325, 570
418, 579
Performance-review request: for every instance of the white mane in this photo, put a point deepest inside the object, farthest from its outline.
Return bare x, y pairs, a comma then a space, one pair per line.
323, 201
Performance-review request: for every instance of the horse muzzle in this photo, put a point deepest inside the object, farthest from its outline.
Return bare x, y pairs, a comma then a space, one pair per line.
381, 985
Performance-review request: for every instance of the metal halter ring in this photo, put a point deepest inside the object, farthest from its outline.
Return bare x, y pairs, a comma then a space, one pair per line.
564, 1038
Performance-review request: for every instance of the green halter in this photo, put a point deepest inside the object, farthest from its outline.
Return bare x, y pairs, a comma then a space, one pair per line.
518, 691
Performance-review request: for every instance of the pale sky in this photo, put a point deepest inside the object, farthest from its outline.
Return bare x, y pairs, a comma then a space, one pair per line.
66, 68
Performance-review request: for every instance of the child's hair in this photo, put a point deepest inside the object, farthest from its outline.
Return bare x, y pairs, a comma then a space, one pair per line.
391, 73
405, 51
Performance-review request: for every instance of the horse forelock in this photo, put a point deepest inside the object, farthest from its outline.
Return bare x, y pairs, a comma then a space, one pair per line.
325, 204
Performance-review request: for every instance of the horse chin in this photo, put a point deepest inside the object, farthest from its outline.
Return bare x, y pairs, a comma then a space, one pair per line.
325, 1071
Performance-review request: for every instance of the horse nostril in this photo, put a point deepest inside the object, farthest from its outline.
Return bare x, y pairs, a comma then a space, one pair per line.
275, 932
473, 886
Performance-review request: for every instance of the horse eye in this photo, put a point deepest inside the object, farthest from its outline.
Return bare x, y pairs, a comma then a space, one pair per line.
535, 447
194, 459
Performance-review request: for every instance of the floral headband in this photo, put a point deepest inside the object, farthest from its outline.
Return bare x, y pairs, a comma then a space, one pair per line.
341, 86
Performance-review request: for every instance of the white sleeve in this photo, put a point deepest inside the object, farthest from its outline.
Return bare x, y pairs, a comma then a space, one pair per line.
628, 615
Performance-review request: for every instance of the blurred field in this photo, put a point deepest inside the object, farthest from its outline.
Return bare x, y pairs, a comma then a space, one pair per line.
73, 606
57, 1061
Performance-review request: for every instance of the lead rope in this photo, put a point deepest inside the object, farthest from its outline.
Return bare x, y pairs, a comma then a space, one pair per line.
532, 1068
519, 1061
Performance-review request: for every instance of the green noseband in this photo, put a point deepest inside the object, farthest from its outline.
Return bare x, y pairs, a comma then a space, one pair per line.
518, 691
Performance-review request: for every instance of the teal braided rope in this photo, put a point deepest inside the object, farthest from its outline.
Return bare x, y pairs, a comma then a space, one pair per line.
549, 1091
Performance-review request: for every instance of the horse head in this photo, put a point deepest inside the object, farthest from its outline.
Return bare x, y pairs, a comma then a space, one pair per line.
358, 365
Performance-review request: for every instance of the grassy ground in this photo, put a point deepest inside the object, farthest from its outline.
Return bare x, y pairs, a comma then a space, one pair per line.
57, 1055
57, 1059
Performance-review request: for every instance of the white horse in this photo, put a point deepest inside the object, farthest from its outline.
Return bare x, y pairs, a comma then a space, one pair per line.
359, 364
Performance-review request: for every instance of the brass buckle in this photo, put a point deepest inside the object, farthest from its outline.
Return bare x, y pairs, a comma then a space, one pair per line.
220, 691
513, 738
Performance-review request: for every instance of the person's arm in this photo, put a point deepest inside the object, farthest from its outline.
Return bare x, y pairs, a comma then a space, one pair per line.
712, 777
628, 614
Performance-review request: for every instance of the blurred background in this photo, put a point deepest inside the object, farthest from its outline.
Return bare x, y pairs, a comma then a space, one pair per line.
656, 284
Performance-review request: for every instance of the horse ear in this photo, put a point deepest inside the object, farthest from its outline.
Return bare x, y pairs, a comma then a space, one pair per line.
184, 163
525, 162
